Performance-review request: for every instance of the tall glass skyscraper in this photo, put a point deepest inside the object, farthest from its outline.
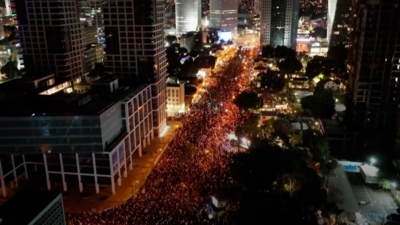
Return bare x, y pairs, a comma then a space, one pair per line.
135, 47
224, 15
51, 37
187, 15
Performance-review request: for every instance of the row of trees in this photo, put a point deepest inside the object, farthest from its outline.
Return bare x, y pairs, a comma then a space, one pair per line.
335, 63
278, 180
287, 174
285, 58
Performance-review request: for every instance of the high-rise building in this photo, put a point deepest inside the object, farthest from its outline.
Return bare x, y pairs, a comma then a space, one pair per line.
224, 15
187, 15
331, 16
278, 23
91, 14
256, 7
135, 47
374, 68
339, 26
51, 37
7, 8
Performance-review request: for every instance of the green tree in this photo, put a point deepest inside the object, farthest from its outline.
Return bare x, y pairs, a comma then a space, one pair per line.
283, 52
321, 104
290, 65
339, 54
258, 168
318, 147
10, 70
267, 51
314, 67
248, 100
393, 219
331, 165
272, 80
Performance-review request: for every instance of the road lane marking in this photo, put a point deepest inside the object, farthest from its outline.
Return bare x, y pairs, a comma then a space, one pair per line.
367, 193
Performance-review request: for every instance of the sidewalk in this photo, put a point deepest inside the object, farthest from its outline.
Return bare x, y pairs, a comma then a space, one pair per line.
142, 166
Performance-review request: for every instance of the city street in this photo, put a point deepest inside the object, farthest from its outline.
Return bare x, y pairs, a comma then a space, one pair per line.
340, 191
195, 165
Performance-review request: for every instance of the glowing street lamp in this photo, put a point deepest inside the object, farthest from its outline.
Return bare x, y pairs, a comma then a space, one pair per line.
372, 160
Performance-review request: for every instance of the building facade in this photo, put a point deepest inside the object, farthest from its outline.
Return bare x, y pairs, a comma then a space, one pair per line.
176, 99
374, 69
278, 22
91, 14
187, 16
90, 141
339, 20
135, 47
224, 15
51, 37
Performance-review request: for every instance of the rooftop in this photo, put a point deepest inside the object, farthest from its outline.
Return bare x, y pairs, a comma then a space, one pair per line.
83, 102
24, 206
369, 170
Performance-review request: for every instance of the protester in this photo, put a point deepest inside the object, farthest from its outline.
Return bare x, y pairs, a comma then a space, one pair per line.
195, 164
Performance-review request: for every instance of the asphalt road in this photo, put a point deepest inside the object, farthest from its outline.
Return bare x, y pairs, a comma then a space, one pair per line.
340, 191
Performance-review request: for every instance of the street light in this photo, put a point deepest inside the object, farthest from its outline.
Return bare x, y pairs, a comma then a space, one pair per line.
394, 185
372, 160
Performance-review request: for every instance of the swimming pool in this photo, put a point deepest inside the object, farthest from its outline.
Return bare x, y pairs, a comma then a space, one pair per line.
350, 168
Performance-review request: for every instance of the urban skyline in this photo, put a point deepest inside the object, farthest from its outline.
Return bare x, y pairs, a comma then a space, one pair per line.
199, 112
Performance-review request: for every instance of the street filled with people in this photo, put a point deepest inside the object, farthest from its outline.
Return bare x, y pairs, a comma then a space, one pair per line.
196, 163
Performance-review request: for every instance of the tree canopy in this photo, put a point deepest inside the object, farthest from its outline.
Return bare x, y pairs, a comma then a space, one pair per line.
248, 100
272, 80
280, 52
321, 104
339, 53
321, 65
268, 51
290, 65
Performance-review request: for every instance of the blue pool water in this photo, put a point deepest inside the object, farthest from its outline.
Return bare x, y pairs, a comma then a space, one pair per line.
350, 168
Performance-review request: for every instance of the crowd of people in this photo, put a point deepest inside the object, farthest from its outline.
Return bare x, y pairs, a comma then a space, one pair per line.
193, 167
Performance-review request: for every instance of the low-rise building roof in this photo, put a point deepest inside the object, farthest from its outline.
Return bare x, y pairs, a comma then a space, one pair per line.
24, 206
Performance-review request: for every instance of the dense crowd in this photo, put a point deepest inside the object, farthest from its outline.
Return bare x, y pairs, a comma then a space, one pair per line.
193, 167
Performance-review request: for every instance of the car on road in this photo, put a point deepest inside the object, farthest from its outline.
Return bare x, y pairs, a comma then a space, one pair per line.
364, 203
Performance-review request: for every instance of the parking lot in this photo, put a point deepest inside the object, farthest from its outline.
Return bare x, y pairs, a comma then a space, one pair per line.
348, 190
380, 204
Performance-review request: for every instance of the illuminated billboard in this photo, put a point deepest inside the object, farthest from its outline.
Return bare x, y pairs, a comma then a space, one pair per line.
225, 35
